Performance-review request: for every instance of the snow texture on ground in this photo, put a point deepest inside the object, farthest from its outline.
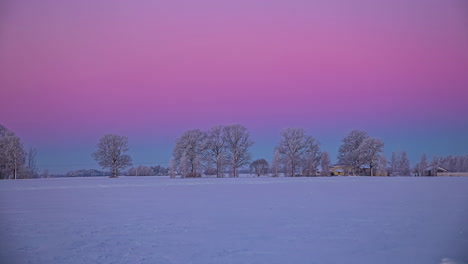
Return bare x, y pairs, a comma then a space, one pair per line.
327, 220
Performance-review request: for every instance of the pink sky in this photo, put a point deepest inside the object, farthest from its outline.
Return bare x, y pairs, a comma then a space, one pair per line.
71, 71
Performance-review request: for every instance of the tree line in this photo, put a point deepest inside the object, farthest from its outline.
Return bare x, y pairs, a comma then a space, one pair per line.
225, 151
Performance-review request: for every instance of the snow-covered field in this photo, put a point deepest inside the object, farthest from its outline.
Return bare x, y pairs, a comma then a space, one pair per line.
246, 220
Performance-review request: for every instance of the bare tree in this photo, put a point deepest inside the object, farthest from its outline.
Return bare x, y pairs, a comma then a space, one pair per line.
459, 163
382, 166
12, 154
295, 147
349, 154
422, 165
31, 163
140, 171
311, 160
369, 150
238, 142
434, 166
184, 166
454, 163
188, 152
399, 164
325, 164
403, 164
172, 168
275, 163
110, 153
216, 149
260, 167
394, 165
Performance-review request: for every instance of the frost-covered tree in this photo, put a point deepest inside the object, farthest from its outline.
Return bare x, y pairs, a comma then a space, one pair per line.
325, 164
216, 149
275, 163
295, 147
184, 166
45, 174
421, 167
459, 164
158, 170
238, 143
31, 163
394, 165
110, 153
12, 154
259, 167
399, 164
140, 171
311, 160
454, 163
349, 153
189, 151
434, 165
172, 168
448, 162
381, 166
369, 151
403, 164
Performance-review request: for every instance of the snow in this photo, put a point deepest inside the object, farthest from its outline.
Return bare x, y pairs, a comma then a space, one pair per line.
323, 220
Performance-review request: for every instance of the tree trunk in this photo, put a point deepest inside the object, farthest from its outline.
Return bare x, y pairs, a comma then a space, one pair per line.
293, 172
114, 169
16, 169
114, 173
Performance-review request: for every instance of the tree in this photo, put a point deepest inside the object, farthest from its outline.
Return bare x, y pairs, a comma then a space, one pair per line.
311, 160
238, 142
31, 163
12, 154
459, 163
216, 149
45, 174
368, 152
403, 164
434, 166
349, 153
275, 163
158, 170
296, 149
110, 153
140, 171
260, 167
399, 164
422, 165
184, 166
172, 168
325, 164
394, 165
454, 163
188, 152
382, 166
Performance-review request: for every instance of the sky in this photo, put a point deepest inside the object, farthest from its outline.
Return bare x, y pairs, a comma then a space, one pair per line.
72, 71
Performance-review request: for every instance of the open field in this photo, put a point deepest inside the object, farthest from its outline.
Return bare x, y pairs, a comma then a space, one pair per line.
328, 220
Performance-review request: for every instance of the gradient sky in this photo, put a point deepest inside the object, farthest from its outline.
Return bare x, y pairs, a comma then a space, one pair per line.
72, 71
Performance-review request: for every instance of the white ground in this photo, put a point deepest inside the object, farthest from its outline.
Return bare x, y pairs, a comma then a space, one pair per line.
248, 220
